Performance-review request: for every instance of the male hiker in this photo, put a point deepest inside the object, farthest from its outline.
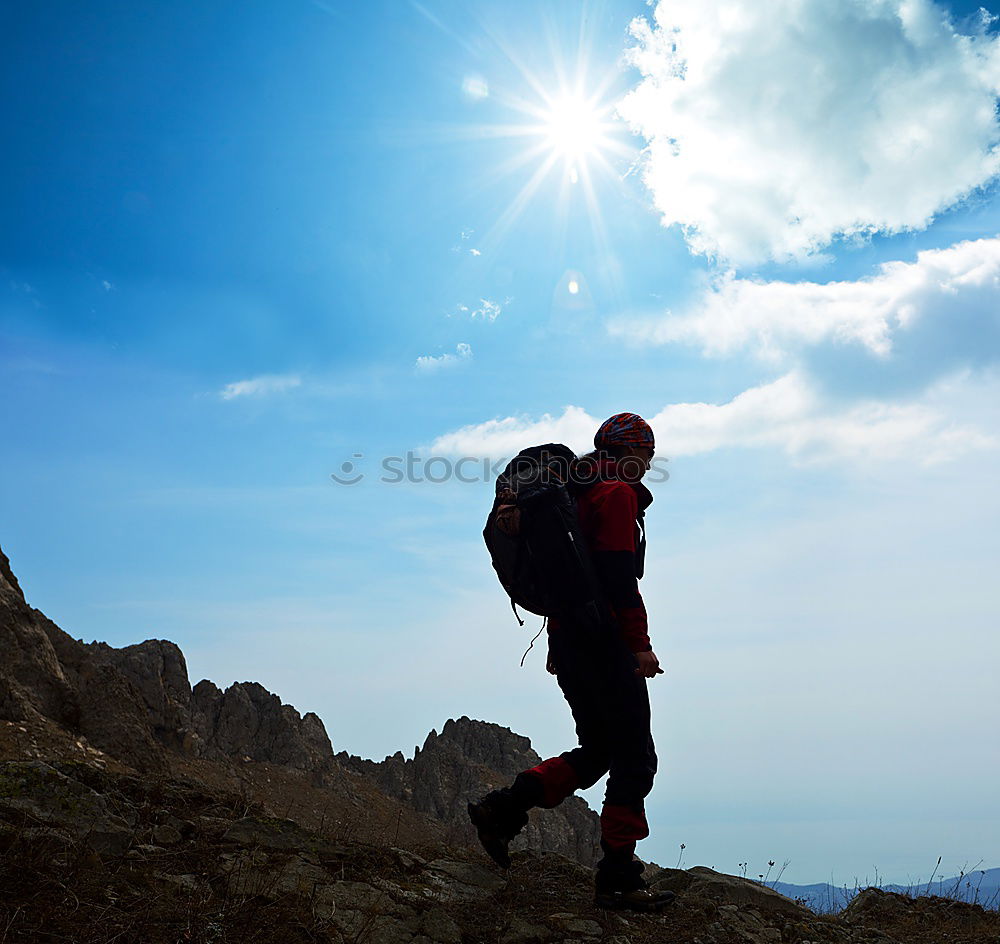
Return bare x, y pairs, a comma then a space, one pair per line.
602, 676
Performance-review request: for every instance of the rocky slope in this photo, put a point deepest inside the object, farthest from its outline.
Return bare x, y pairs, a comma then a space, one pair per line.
94, 856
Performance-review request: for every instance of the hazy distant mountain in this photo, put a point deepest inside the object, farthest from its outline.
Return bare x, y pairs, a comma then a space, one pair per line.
981, 886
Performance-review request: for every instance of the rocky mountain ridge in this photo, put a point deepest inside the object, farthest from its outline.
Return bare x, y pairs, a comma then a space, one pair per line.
137, 705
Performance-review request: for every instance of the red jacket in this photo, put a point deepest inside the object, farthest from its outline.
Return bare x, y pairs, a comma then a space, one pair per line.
611, 515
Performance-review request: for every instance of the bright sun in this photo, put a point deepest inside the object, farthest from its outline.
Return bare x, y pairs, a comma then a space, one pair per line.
569, 131
573, 128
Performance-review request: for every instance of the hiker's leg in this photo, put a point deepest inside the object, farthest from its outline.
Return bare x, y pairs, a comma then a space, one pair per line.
501, 815
633, 767
559, 777
581, 679
623, 824
548, 783
623, 816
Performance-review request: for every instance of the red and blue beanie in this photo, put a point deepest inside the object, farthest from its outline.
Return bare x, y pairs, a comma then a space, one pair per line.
624, 429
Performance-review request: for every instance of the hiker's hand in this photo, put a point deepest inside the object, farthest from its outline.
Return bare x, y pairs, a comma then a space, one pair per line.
649, 665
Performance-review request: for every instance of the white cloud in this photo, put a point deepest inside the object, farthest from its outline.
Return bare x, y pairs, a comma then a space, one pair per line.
427, 363
774, 127
774, 318
260, 386
787, 414
488, 310
507, 436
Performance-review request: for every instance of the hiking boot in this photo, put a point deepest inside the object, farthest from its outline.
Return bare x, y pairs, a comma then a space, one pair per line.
635, 899
498, 819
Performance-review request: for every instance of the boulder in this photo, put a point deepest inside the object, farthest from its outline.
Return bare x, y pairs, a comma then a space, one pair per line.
464, 881
35, 793
701, 882
282, 836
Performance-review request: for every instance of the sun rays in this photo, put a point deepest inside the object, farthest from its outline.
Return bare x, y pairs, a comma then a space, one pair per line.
564, 133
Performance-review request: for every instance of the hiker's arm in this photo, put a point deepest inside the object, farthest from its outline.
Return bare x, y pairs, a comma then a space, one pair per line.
614, 558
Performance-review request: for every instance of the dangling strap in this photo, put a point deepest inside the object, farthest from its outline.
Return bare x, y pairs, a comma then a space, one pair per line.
640, 544
513, 606
532, 645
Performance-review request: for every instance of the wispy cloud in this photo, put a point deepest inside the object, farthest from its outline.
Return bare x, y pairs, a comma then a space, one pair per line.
466, 236
260, 386
773, 128
507, 436
488, 310
787, 414
427, 363
774, 319
790, 415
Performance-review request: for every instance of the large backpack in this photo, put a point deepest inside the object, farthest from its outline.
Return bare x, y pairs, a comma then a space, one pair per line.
534, 538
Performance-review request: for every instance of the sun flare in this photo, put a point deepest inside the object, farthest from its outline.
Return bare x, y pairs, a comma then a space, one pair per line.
574, 128
566, 137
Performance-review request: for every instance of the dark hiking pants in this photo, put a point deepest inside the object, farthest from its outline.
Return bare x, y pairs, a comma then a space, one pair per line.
610, 706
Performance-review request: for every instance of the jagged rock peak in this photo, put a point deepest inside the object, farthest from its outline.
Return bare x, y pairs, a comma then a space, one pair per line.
135, 701
484, 742
246, 720
8, 582
158, 671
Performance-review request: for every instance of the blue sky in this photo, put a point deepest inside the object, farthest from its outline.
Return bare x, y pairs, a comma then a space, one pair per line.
240, 247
